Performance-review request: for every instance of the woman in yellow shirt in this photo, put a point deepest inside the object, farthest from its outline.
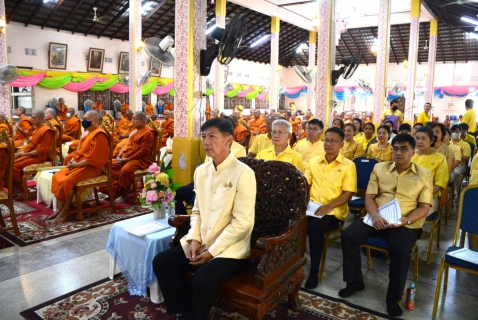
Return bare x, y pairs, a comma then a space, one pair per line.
368, 131
338, 123
383, 149
439, 130
428, 158
358, 129
351, 148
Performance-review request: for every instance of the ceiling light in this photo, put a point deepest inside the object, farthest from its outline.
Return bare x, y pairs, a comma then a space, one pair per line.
472, 35
472, 21
301, 47
426, 45
261, 40
209, 30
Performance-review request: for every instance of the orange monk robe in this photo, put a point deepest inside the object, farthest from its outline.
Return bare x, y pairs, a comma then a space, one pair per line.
42, 141
148, 109
26, 124
240, 132
5, 127
138, 150
255, 125
97, 106
168, 106
3, 163
208, 111
124, 107
158, 122
61, 112
57, 125
303, 135
96, 150
71, 125
125, 129
167, 126
295, 124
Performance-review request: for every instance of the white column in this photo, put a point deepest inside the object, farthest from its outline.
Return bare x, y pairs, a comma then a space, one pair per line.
432, 49
412, 59
134, 54
5, 105
311, 86
274, 75
219, 68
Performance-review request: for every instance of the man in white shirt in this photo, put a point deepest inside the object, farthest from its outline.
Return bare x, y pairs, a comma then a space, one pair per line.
218, 244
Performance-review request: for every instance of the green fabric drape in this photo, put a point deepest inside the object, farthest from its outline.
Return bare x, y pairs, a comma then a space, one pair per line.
253, 94
209, 92
233, 93
171, 92
105, 85
55, 83
149, 87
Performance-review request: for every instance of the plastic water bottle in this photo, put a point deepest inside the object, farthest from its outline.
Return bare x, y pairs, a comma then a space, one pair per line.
24, 142
410, 303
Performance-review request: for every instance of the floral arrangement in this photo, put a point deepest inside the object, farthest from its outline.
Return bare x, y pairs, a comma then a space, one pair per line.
159, 187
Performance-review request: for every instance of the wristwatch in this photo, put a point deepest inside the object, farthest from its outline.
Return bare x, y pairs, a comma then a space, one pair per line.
408, 220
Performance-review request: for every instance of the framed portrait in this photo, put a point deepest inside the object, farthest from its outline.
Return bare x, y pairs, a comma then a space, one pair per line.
156, 67
57, 56
226, 72
96, 57
123, 66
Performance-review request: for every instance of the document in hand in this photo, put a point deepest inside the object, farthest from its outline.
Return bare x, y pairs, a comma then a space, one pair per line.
389, 211
312, 208
465, 254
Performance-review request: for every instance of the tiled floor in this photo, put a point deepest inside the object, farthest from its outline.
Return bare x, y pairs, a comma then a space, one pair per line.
37, 273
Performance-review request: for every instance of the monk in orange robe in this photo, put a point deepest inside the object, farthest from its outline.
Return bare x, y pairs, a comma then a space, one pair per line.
124, 107
3, 125
87, 162
168, 106
98, 104
148, 108
24, 128
302, 132
308, 115
208, 111
72, 125
135, 155
167, 127
240, 132
156, 121
257, 125
122, 132
295, 122
61, 109
35, 152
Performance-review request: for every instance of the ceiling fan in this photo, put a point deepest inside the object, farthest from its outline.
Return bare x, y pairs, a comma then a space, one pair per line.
99, 20
459, 2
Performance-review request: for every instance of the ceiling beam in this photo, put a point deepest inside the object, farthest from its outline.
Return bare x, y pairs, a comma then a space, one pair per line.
171, 19
452, 43
93, 24
346, 47
40, 3
357, 47
110, 24
401, 40
88, 12
153, 11
69, 14
52, 13
466, 47
441, 47
14, 10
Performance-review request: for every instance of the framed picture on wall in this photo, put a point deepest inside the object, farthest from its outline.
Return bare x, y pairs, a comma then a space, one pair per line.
96, 57
57, 55
156, 67
123, 66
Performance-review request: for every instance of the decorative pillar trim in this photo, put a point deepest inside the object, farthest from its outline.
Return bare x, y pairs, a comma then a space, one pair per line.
311, 86
274, 76
412, 59
134, 55
432, 48
191, 70
219, 68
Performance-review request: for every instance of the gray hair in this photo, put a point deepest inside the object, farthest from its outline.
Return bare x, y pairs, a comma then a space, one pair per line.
140, 115
40, 114
283, 123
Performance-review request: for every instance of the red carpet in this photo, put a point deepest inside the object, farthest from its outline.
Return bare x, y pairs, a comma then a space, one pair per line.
109, 299
34, 227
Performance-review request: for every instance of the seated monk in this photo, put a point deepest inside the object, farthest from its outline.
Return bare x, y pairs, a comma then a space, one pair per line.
135, 155
168, 106
257, 125
98, 104
124, 107
87, 162
61, 109
167, 127
240, 132
155, 120
24, 128
148, 108
71, 126
3, 125
35, 152
123, 129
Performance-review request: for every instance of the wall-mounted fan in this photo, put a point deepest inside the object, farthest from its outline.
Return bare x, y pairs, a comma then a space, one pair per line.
96, 19
8, 73
365, 85
229, 39
144, 79
87, 104
229, 86
349, 65
124, 79
209, 85
306, 74
398, 88
117, 105
160, 49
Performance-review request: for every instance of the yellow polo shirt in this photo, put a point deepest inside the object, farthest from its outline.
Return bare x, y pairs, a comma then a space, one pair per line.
351, 150
329, 180
470, 119
379, 153
438, 167
465, 149
260, 143
309, 150
456, 152
469, 138
360, 138
409, 188
423, 118
288, 155
474, 171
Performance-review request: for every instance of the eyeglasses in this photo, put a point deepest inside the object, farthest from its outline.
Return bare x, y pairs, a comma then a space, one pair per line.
401, 149
312, 129
278, 133
331, 141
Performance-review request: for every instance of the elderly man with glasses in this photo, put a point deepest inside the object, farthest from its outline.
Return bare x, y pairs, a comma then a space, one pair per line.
412, 186
280, 150
312, 146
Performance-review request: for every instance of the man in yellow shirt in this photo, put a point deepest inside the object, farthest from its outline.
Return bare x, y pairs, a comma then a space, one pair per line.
312, 146
281, 151
465, 156
465, 136
470, 116
412, 186
263, 141
424, 117
333, 180
222, 220
392, 114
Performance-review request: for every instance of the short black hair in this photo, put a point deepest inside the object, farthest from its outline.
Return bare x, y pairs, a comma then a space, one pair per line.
337, 131
429, 132
370, 124
442, 129
317, 122
418, 124
224, 125
360, 121
288, 113
404, 138
405, 126
469, 103
393, 101
464, 126
454, 127
354, 129
389, 121
386, 128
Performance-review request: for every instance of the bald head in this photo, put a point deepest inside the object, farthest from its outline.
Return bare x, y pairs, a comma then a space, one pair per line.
102, 112
49, 114
139, 120
140, 115
71, 111
167, 114
91, 115
234, 119
20, 111
129, 114
38, 117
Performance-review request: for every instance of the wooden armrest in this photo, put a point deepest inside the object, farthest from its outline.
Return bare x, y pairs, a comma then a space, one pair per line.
266, 243
182, 225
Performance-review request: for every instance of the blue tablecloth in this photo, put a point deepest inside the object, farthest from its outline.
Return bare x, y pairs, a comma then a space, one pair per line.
134, 255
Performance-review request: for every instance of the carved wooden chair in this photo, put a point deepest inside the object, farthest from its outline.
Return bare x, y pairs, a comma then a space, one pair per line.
110, 119
103, 180
8, 122
59, 130
6, 197
277, 242
139, 174
32, 169
78, 133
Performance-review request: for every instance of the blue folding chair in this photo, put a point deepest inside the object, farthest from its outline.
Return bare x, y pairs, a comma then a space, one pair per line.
467, 222
364, 166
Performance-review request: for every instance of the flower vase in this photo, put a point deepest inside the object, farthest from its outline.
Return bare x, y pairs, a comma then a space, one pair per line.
159, 211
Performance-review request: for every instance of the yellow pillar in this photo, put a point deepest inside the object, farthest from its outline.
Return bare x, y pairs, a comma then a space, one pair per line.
274, 74
412, 59
432, 48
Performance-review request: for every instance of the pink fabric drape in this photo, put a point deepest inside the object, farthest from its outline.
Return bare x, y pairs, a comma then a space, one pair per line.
163, 89
243, 93
262, 96
81, 86
294, 90
119, 88
457, 90
27, 81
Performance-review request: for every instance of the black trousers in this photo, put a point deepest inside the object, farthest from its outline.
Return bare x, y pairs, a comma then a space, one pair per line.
316, 229
400, 242
184, 193
170, 267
